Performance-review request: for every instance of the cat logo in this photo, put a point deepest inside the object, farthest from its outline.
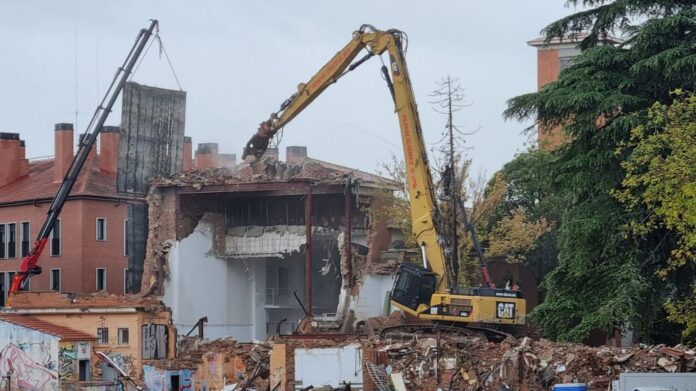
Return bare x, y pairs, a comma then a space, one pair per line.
394, 66
505, 310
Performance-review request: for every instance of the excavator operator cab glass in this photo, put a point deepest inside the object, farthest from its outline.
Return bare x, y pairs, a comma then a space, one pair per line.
413, 286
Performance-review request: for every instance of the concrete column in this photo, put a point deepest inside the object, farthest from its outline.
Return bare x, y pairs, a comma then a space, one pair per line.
308, 249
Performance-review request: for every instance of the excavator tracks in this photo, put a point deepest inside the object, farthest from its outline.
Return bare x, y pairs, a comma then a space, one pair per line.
412, 330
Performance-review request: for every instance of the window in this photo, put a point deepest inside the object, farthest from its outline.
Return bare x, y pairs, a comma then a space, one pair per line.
102, 336
55, 239
3, 289
11, 240
123, 336
101, 228
3, 241
26, 238
55, 280
125, 281
101, 279
126, 241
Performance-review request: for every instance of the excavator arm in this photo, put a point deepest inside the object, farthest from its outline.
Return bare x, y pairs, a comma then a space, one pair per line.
427, 292
424, 212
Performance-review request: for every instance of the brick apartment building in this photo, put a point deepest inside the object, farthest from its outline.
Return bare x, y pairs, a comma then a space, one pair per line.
552, 58
87, 251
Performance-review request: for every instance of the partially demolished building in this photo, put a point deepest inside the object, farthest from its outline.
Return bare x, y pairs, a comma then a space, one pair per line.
253, 248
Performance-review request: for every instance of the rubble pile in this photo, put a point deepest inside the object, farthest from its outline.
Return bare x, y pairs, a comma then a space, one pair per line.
473, 363
244, 363
265, 170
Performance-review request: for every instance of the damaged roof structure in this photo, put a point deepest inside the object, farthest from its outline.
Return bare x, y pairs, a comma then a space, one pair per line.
256, 248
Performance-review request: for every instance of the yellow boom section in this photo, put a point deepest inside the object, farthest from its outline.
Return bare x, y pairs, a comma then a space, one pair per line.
424, 212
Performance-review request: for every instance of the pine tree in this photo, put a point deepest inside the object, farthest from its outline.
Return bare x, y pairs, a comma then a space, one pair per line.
606, 277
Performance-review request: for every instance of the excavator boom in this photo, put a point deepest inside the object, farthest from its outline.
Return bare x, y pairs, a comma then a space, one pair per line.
427, 292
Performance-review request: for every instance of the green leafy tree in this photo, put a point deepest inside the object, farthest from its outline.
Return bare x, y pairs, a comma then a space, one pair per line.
522, 224
661, 179
603, 279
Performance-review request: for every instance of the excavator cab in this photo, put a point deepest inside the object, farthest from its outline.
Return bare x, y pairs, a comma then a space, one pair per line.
413, 286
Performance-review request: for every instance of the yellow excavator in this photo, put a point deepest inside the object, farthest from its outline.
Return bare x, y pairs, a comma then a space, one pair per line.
427, 292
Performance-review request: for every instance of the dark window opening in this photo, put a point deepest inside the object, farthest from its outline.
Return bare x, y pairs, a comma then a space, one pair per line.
175, 382
3, 241
101, 229
101, 279
55, 280
11, 240
126, 240
55, 239
26, 233
3, 289
85, 371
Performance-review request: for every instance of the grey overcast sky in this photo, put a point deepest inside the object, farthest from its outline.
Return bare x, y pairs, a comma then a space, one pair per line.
239, 60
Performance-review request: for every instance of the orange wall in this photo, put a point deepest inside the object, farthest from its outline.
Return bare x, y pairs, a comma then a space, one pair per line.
548, 70
130, 353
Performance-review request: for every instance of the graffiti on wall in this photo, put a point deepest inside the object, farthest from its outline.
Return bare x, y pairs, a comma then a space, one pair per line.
66, 362
156, 379
154, 341
124, 362
26, 373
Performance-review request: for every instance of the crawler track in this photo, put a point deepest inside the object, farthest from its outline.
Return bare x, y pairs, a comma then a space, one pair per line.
410, 330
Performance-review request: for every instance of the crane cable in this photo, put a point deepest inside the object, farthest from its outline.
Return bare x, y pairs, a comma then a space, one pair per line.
162, 50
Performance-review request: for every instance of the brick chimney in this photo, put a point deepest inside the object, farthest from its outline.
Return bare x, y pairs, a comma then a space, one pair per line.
294, 154
11, 156
63, 150
108, 149
207, 156
271, 152
188, 154
228, 160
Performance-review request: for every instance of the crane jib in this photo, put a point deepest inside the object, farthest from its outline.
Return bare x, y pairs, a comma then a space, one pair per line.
29, 265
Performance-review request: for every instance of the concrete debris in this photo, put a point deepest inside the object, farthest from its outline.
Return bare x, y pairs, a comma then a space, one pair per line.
222, 361
466, 363
265, 170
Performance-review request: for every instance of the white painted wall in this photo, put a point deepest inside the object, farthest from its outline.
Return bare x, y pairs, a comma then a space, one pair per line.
370, 302
228, 292
31, 356
232, 292
329, 366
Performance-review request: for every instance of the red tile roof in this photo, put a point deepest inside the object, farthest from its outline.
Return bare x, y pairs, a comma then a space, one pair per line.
39, 183
64, 333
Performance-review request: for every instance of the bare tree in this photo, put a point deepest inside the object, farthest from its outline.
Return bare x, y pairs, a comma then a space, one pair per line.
447, 99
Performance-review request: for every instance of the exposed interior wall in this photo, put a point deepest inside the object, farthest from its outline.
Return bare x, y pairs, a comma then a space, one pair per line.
201, 284
252, 251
